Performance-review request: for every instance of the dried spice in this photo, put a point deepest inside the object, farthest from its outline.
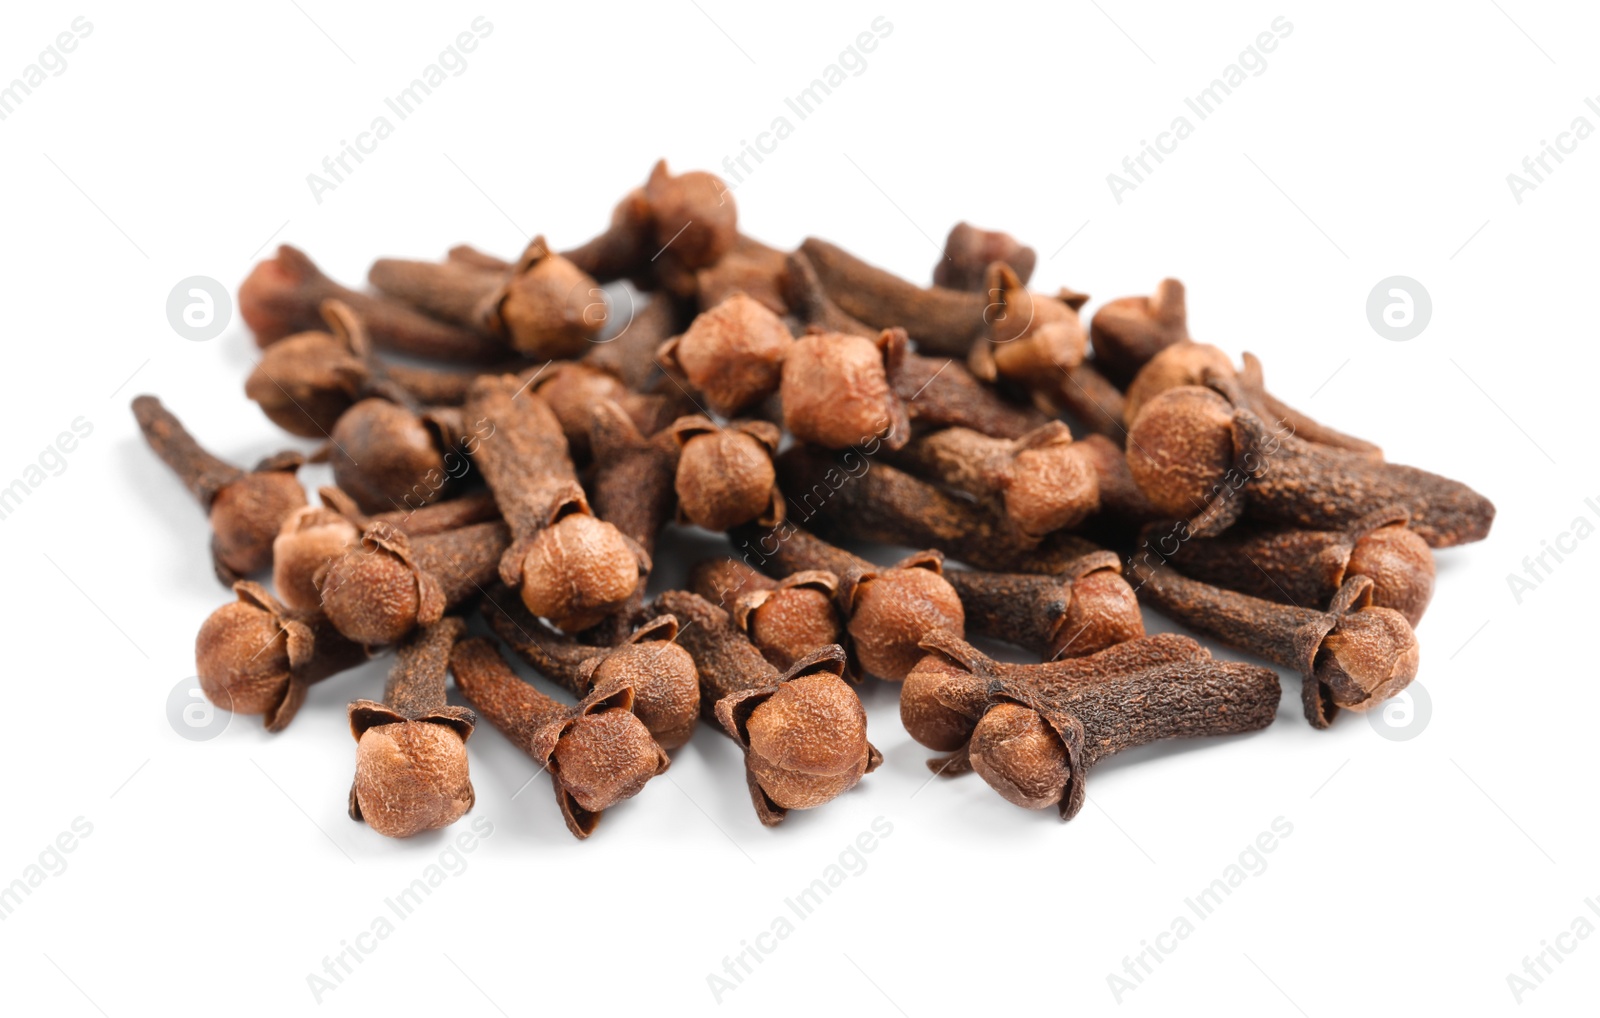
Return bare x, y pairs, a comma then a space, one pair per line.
940, 392
1032, 339
570, 567
283, 295
666, 687
969, 251
573, 389
630, 353
1353, 654
751, 268
725, 476
1090, 398
1199, 456
389, 583
942, 321
390, 455
888, 609
411, 754
1085, 609
803, 731
1307, 567
1044, 480
1128, 331
246, 509
836, 390
663, 233
732, 355
785, 619
598, 752
1037, 735
258, 656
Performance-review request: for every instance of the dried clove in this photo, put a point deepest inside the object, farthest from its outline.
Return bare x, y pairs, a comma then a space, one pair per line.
969, 251
1084, 609
1043, 480
570, 567
1128, 331
1201, 457
391, 455
1353, 654
661, 234
411, 754
803, 731
785, 619
836, 390
389, 583
751, 268
598, 752
666, 686
725, 476
573, 389
246, 509
1032, 339
283, 296
1037, 732
732, 355
942, 321
888, 610
1307, 567
258, 656
939, 392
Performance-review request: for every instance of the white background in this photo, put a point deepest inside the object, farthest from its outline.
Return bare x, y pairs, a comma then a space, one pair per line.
219, 875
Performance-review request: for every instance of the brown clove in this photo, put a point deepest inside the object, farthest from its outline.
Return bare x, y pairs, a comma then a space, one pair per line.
395, 454
836, 391
969, 251
1084, 609
411, 754
785, 619
725, 476
732, 355
942, 321
1127, 332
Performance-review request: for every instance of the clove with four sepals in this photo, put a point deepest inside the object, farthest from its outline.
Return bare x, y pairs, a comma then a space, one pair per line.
1031, 340
969, 251
1199, 456
785, 619
1084, 609
888, 610
1307, 567
836, 392
732, 355
393, 453
411, 754
725, 475
1037, 730
1043, 480
246, 508
283, 296
1352, 654
1127, 332
570, 567
389, 584
803, 731
597, 751
666, 687
256, 655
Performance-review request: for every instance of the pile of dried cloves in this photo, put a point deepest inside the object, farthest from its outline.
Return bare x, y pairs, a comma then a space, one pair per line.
798, 401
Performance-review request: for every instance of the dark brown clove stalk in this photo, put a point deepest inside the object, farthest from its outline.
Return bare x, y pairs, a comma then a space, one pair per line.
411, 753
1043, 480
969, 251
312, 536
836, 391
1036, 738
810, 307
881, 503
389, 583
751, 268
1353, 654
666, 687
1082, 610
570, 567
785, 619
257, 656
732, 355
544, 306
394, 454
1090, 398
888, 609
1307, 567
1032, 339
1200, 457
598, 752
803, 731
1128, 331
725, 476
283, 296
246, 509
306, 382
942, 321
1191, 363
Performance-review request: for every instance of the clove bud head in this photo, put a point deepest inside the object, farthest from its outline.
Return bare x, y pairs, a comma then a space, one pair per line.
383, 453
893, 610
1368, 657
836, 391
1129, 331
725, 478
1020, 756
788, 623
374, 596
1181, 448
577, 572
924, 715
246, 516
549, 308
1050, 487
242, 657
305, 382
1103, 612
1176, 366
1400, 565
808, 741
732, 354
666, 687
411, 776
694, 215
309, 539
604, 758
